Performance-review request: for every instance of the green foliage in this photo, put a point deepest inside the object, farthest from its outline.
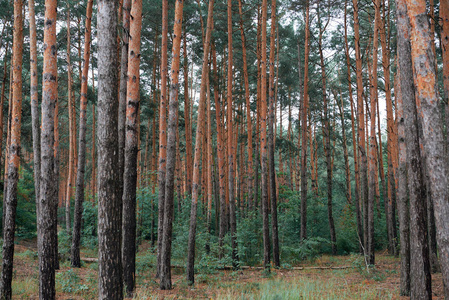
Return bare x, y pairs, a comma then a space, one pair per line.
89, 229
69, 282
64, 244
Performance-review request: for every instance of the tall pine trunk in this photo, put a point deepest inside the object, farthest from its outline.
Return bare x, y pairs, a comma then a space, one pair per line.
248, 112
304, 111
361, 127
199, 137
405, 88
162, 134
109, 200
263, 138
13, 163
34, 95
427, 105
79, 193
131, 150
124, 47
271, 143
48, 189
165, 269
327, 143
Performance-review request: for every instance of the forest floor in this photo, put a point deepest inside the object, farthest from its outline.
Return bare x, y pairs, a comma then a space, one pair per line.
327, 277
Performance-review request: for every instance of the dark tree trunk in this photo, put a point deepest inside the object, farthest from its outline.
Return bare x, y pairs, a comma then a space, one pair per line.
109, 201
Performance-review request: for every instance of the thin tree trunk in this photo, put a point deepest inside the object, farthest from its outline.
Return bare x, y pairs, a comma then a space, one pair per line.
13, 159
345, 148
188, 125
248, 111
109, 201
165, 270
361, 125
79, 193
220, 160
230, 143
94, 153
305, 108
94, 163
271, 143
162, 135
34, 104
123, 78
391, 145
373, 175
263, 137
72, 131
199, 136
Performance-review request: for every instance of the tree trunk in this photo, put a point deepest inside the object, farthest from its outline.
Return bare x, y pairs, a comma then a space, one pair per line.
34, 104
354, 142
125, 37
109, 201
444, 15
72, 130
391, 145
48, 189
220, 160
199, 135
305, 108
404, 89
94, 163
263, 138
345, 148
327, 143
131, 150
165, 270
162, 135
373, 176
248, 112
188, 125
271, 143
427, 105
57, 182
79, 193
361, 126
13, 159
230, 143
